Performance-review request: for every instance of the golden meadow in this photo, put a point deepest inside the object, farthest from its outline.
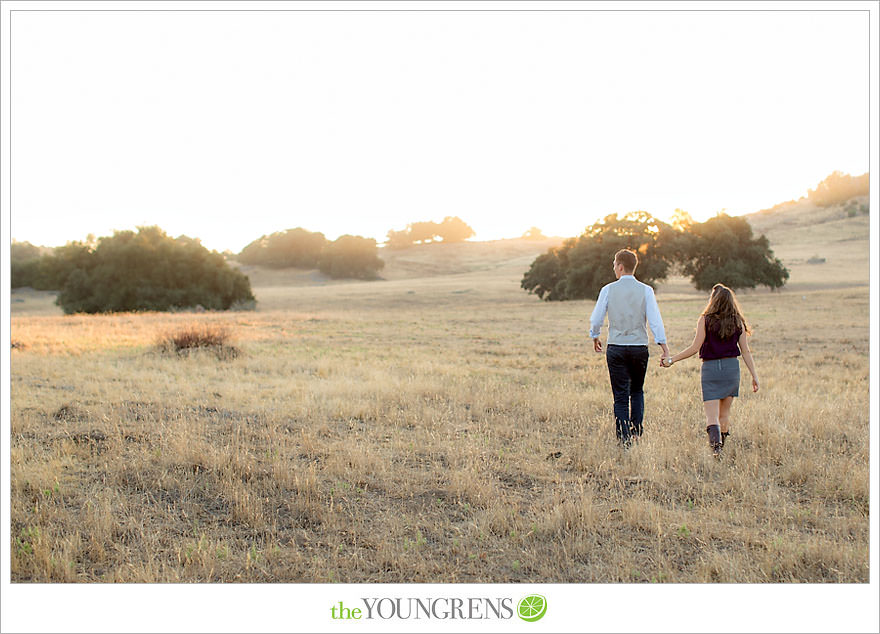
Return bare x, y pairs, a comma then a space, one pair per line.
442, 426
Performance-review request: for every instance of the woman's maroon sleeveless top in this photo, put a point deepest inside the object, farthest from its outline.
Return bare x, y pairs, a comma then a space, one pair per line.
714, 347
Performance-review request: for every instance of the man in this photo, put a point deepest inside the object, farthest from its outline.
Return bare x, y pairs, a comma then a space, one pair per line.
629, 304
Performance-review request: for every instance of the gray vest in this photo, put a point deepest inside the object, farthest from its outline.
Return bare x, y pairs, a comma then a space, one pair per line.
627, 313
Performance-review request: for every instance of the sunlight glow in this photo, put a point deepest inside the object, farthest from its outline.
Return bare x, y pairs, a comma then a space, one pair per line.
243, 124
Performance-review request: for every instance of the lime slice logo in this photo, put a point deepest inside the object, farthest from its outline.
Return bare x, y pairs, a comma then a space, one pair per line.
532, 608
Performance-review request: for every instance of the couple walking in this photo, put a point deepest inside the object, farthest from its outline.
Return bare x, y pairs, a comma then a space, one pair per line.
722, 336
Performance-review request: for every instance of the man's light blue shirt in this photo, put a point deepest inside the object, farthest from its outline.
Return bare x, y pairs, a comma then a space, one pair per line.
630, 337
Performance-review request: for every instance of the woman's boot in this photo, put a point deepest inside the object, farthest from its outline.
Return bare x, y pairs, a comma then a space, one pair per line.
714, 432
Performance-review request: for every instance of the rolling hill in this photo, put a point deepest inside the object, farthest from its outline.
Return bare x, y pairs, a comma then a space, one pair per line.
823, 247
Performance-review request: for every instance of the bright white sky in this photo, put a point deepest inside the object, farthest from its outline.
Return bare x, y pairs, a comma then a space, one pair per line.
226, 126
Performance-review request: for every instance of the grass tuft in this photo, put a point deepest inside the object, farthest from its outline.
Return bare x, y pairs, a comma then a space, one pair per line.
193, 337
69, 412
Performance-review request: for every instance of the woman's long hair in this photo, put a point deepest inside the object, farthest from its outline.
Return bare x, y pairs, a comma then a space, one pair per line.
725, 311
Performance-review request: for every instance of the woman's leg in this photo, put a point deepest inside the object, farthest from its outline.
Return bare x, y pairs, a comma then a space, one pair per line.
713, 409
724, 414
712, 428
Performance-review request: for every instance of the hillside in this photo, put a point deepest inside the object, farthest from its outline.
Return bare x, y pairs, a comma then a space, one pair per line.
464, 257
802, 235
429, 260
793, 223
797, 231
822, 247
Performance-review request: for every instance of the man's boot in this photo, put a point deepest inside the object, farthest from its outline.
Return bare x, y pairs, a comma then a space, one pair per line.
623, 431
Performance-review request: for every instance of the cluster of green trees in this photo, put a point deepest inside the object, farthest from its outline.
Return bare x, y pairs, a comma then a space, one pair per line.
146, 270
351, 257
346, 257
452, 229
724, 250
26, 265
720, 250
295, 248
838, 188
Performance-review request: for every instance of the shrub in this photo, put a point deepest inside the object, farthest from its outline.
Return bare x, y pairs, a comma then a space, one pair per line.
204, 336
546, 277
146, 270
24, 273
838, 188
24, 251
45, 268
351, 257
294, 248
198, 336
398, 239
582, 266
452, 229
723, 250
55, 269
423, 231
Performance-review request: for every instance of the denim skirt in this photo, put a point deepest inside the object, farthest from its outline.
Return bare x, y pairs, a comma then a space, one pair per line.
719, 378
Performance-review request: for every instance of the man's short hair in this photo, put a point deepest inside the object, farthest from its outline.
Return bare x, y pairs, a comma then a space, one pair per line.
628, 259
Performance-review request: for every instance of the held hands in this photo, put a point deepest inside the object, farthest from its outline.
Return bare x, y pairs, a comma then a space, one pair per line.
666, 362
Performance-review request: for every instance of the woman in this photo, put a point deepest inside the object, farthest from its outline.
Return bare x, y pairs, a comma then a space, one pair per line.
722, 336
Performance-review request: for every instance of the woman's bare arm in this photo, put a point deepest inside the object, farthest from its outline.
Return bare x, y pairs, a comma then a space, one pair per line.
747, 357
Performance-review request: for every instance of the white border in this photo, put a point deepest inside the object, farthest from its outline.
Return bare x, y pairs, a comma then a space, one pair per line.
305, 607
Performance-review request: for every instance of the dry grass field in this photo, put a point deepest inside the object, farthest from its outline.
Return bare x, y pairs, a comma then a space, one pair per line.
441, 425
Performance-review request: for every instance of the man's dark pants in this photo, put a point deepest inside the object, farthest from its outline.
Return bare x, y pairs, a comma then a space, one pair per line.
627, 366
